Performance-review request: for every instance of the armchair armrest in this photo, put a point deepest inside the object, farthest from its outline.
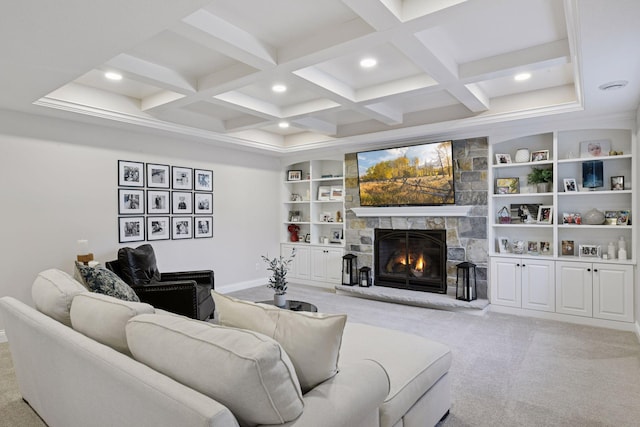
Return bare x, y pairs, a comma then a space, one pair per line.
204, 277
350, 399
178, 297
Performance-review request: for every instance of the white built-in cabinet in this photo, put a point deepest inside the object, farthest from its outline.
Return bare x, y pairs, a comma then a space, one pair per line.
559, 279
313, 200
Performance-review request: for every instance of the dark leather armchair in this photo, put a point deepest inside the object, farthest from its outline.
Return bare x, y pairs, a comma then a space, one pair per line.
187, 293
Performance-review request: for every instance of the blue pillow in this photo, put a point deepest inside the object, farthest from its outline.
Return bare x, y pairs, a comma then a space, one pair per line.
103, 281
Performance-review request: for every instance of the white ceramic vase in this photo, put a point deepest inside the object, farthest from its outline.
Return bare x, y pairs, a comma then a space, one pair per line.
522, 155
279, 300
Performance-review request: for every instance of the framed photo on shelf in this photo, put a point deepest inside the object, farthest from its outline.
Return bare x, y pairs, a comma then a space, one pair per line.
181, 227
623, 218
326, 217
596, 148
545, 215
131, 229
568, 247
158, 228
336, 235
294, 216
503, 159
589, 251
525, 213
130, 202
540, 155
158, 202
181, 202
203, 227
157, 176
518, 246
571, 218
532, 247
181, 178
202, 180
545, 248
294, 175
130, 174
507, 185
504, 246
570, 185
611, 217
203, 203
324, 193
336, 193
617, 183
307, 238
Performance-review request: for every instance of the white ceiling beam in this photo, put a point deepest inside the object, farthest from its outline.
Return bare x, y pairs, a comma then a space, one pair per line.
240, 101
309, 107
409, 84
218, 34
546, 55
376, 13
192, 119
324, 80
316, 125
245, 123
387, 114
153, 74
163, 98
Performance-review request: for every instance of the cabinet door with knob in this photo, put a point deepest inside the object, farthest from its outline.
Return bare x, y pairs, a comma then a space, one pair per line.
574, 288
613, 292
326, 264
523, 283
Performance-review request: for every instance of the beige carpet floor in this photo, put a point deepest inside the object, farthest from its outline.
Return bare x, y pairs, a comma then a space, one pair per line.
506, 371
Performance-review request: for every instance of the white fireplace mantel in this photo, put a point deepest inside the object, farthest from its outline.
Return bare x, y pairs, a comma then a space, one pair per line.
412, 211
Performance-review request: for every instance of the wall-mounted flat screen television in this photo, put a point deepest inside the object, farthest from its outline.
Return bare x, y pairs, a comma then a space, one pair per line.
414, 175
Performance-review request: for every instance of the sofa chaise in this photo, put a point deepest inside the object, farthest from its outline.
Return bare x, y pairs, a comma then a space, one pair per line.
83, 358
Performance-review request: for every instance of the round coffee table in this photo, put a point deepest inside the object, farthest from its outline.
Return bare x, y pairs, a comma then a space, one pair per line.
295, 305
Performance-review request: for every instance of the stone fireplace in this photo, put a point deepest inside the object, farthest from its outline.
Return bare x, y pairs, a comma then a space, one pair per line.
465, 235
411, 259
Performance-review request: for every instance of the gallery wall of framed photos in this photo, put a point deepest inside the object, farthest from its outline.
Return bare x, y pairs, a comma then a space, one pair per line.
163, 202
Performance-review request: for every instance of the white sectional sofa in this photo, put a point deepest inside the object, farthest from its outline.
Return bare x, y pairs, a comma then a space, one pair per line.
88, 359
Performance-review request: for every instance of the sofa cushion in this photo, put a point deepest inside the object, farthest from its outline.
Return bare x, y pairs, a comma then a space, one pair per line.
52, 292
246, 371
414, 364
104, 281
138, 265
104, 318
312, 340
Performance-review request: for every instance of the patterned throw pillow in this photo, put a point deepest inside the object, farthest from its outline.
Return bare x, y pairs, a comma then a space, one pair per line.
103, 281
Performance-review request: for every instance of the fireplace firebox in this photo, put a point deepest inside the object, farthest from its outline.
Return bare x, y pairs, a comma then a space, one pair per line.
411, 259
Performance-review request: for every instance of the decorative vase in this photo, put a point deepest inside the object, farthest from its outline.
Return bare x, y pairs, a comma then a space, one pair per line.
543, 187
279, 300
593, 217
522, 155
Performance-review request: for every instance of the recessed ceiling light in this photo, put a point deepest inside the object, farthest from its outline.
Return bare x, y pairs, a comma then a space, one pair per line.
279, 88
522, 77
283, 125
618, 84
111, 75
368, 62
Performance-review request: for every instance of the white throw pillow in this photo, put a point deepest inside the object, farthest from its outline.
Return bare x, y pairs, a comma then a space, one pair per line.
246, 371
311, 340
52, 293
104, 318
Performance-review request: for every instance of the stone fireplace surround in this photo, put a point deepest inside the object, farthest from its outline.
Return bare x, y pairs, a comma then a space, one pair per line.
466, 233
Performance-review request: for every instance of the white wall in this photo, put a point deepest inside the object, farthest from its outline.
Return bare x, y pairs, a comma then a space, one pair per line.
58, 184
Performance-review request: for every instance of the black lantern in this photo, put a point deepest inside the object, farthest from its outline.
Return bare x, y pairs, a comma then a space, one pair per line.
365, 277
466, 290
349, 270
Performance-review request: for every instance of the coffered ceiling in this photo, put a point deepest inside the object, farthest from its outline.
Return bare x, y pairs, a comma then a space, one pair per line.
207, 69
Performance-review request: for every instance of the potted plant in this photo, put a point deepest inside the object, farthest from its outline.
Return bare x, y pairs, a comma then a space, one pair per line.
542, 178
279, 267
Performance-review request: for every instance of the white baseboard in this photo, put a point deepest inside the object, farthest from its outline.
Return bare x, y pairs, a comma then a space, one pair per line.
3, 336
240, 286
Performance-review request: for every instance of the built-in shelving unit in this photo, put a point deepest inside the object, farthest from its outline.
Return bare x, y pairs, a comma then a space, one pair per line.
537, 279
313, 200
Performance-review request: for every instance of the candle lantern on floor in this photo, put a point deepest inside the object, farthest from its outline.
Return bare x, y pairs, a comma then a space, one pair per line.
365, 277
467, 290
349, 270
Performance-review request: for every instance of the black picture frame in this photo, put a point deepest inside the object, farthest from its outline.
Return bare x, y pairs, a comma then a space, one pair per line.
130, 201
130, 174
158, 175
181, 178
131, 229
617, 183
202, 203
203, 180
158, 228
181, 227
181, 202
158, 202
294, 175
203, 227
